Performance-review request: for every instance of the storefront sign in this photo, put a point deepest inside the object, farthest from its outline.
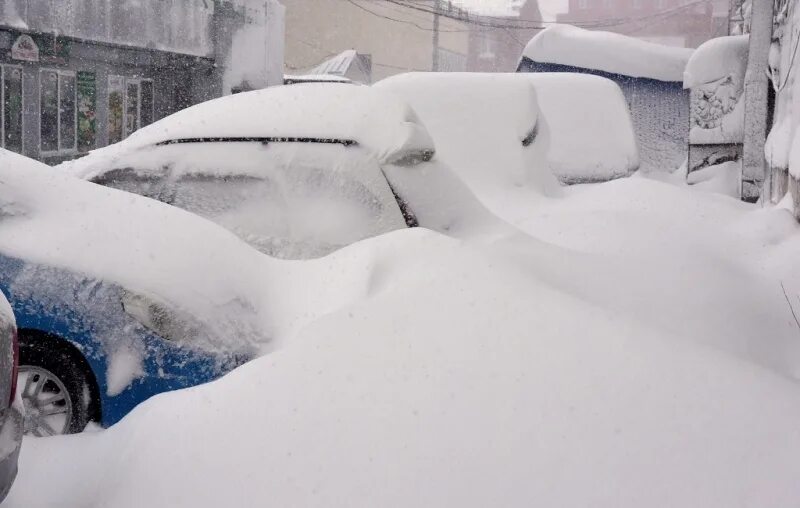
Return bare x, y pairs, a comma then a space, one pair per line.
87, 108
25, 48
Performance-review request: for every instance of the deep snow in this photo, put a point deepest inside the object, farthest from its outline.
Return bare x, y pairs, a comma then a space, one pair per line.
636, 350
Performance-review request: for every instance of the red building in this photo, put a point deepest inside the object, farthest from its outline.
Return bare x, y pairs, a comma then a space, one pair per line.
686, 23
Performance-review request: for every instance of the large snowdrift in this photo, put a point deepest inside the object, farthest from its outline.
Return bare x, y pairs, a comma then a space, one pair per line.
466, 379
608, 52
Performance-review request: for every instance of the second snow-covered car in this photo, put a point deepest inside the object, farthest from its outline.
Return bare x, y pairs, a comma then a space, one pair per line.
297, 171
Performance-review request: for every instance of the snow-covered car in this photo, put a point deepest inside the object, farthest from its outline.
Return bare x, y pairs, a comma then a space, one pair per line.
116, 297
592, 137
10, 415
523, 128
487, 127
297, 171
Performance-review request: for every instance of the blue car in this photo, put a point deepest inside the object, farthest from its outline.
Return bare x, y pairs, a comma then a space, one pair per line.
118, 297
67, 376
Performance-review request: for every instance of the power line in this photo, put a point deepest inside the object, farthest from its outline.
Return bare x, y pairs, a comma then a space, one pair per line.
510, 23
408, 22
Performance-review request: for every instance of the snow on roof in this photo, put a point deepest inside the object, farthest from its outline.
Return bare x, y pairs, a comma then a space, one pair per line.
336, 65
716, 59
608, 52
379, 122
348, 63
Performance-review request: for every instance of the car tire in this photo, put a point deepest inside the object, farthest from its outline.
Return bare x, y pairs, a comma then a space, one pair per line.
47, 365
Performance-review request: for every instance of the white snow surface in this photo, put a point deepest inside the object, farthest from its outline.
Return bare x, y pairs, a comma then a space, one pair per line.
609, 52
716, 59
379, 122
635, 350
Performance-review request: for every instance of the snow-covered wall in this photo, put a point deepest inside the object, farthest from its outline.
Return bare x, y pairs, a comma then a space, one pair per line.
782, 145
715, 74
178, 26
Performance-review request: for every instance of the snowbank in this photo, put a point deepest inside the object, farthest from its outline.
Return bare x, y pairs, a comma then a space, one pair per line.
465, 380
608, 52
591, 134
380, 123
716, 59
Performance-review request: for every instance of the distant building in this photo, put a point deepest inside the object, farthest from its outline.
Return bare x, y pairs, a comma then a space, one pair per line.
685, 23
388, 37
81, 74
496, 42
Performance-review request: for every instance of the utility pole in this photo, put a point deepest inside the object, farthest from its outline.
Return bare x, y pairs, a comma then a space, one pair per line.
755, 173
435, 57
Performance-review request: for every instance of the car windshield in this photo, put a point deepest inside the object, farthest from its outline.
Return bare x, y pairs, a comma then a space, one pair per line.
290, 200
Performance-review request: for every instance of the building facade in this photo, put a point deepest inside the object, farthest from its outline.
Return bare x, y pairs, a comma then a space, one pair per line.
394, 38
685, 23
81, 74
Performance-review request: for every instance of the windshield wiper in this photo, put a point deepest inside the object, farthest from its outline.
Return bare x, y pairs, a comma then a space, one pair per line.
263, 140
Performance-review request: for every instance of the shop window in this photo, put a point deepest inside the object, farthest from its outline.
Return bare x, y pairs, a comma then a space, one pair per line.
130, 105
58, 115
11, 108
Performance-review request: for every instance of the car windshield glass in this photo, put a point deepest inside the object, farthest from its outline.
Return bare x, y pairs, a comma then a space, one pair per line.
289, 200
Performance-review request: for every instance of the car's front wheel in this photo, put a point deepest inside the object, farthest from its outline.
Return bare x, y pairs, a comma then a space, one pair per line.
54, 387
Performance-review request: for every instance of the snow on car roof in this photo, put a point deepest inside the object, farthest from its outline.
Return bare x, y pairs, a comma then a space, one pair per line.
717, 58
609, 52
380, 123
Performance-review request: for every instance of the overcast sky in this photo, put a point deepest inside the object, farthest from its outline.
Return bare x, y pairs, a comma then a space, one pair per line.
548, 7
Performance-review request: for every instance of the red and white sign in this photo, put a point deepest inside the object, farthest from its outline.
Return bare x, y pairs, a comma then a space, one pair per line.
25, 48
